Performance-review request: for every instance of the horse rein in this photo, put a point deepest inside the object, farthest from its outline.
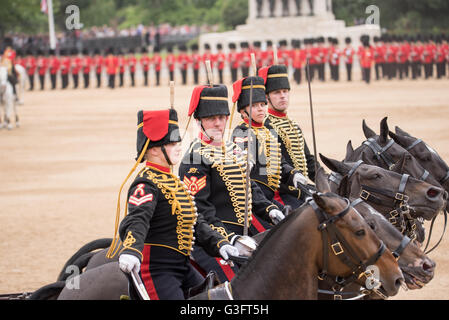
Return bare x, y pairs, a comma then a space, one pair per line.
340, 248
442, 181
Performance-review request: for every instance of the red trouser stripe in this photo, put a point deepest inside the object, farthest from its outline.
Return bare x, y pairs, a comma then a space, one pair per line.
278, 198
146, 275
226, 269
259, 227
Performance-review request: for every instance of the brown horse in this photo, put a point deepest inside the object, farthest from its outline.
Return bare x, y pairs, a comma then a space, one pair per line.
417, 268
260, 278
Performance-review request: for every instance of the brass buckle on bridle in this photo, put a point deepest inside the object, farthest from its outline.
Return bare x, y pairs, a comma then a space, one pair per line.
337, 248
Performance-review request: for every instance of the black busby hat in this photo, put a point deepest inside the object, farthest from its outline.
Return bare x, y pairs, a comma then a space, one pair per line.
206, 46
232, 45
209, 101
348, 40
242, 89
194, 47
275, 78
160, 127
219, 46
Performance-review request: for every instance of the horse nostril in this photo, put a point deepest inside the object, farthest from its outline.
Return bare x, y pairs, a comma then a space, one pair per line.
398, 282
428, 267
445, 195
433, 193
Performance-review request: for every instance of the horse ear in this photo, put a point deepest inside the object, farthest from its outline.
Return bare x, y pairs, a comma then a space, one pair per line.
321, 202
384, 131
349, 151
400, 140
322, 181
367, 131
343, 187
401, 132
335, 165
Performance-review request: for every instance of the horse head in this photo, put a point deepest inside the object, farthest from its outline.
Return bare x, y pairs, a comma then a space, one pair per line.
386, 190
381, 151
357, 241
427, 157
417, 267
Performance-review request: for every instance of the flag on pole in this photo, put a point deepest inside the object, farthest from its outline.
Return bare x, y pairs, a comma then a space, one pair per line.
44, 6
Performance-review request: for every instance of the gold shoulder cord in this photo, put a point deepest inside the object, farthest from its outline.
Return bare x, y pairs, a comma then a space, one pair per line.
272, 150
293, 139
232, 171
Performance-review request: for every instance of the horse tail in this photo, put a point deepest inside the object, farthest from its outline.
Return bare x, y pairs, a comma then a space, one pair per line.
91, 246
48, 292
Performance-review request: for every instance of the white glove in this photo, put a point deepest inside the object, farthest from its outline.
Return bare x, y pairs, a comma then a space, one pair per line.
276, 216
128, 263
228, 250
298, 178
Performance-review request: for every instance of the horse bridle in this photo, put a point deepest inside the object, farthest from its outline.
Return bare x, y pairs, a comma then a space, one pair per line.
338, 293
340, 248
414, 144
381, 154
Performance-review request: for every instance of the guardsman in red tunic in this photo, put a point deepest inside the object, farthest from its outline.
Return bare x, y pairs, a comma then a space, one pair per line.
366, 58
77, 65
220, 59
132, 62
298, 60
311, 56
122, 65
440, 57
183, 62
111, 64
196, 63
145, 62
258, 54
428, 56
402, 57
42, 67
163, 223
245, 58
415, 57
30, 65
334, 59
284, 53
233, 61
323, 54
54, 66
379, 57
157, 62
170, 61
207, 55
65, 68
87, 67
98, 65
348, 55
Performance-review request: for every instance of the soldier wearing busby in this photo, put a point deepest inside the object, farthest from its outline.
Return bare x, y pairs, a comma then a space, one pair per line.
162, 224
215, 172
270, 171
293, 144
233, 60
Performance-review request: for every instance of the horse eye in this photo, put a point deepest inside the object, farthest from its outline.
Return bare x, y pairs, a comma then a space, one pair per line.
372, 225
360, 233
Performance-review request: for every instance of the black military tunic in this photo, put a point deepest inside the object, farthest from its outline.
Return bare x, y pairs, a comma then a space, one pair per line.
216, 176
271, 171
161, 229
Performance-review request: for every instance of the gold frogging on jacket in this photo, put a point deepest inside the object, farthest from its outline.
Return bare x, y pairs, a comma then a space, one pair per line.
293, 139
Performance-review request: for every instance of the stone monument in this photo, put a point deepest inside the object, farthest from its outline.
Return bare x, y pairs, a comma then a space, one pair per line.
277, 20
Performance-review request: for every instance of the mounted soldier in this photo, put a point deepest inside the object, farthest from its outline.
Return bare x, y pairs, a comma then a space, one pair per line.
293, 144
160, 230
215, 172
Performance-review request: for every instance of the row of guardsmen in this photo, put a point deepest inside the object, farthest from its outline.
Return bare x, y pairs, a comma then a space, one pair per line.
391, 56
